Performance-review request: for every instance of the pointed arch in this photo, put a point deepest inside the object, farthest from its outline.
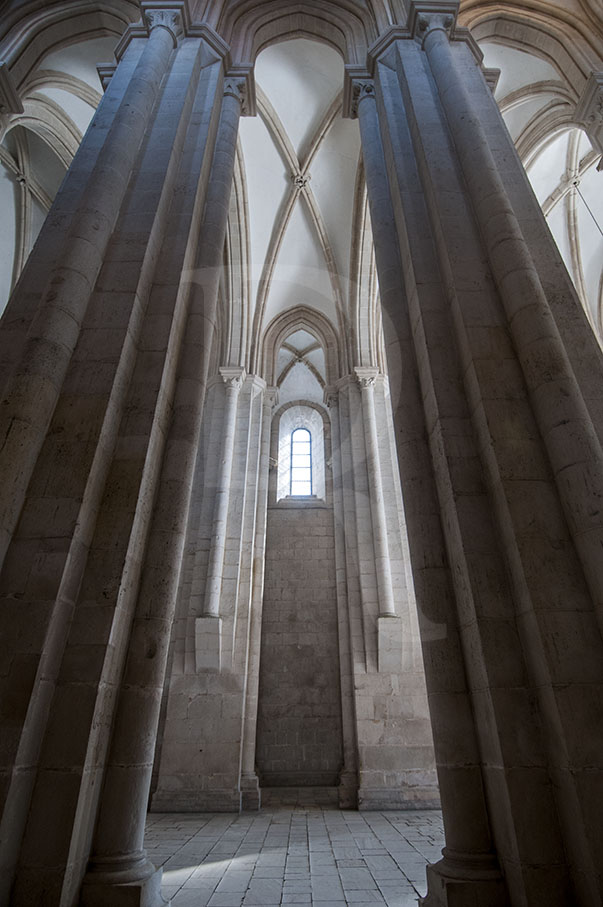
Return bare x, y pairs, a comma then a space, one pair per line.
297, 319
347, 26
33, 30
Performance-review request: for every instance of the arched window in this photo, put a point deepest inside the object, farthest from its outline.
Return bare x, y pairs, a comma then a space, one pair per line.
301, 453
301, 462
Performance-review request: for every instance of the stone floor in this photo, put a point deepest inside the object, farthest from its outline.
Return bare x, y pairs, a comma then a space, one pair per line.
316, 856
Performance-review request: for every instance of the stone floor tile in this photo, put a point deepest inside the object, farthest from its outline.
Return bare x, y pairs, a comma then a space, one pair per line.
294, 856
353, 879
191, 897
364, 897
227, 899
264, 892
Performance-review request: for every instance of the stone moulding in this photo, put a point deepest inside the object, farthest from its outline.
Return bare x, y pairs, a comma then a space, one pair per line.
10, 102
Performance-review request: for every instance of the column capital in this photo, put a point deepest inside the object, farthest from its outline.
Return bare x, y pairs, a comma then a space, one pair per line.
366, 376
166, 14
331, 397
239, 83
430, 14
232, 376
427, 23
271, 397
589, 112
418, 17
358, 84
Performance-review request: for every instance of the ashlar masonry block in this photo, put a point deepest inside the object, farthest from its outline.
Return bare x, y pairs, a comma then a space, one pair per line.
208, 643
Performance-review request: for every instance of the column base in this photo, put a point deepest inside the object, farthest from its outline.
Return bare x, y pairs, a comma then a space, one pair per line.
465, 880
348, 790
251, 795
109, 885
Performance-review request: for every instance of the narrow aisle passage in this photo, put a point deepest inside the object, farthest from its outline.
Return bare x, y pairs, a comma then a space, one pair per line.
316, 856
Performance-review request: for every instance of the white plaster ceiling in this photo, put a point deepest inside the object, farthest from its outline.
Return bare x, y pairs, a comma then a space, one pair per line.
300, 238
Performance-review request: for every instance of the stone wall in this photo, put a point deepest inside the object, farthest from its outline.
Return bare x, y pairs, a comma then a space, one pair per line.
299, 718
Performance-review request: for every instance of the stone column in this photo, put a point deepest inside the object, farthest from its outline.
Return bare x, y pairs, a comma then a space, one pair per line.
120, 872
250, 791
565, 424
348, 781
366, 379
469, 870
32, 390
86, 436
208, 627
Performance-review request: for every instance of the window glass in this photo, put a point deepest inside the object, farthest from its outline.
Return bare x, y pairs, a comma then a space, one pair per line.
301, 462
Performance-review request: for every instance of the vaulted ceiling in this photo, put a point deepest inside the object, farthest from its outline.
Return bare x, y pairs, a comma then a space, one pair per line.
300, 165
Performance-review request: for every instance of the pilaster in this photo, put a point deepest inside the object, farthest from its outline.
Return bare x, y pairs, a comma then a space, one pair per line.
348, 780
250, 787
208, 627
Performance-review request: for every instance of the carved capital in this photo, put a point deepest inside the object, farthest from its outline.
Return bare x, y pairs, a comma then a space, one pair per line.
361, 89
271, 397
236, 89
366, 376
239, 84
232, 376
429, 22
171, 19
355, 77
331, 397
425, 16
589, 111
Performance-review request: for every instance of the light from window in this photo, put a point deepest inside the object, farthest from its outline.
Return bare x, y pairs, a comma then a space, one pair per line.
301, 462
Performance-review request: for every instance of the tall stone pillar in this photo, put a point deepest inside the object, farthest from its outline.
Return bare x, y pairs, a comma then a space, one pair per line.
32, 390
104, 429
469, 858
482, 330
119, 870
